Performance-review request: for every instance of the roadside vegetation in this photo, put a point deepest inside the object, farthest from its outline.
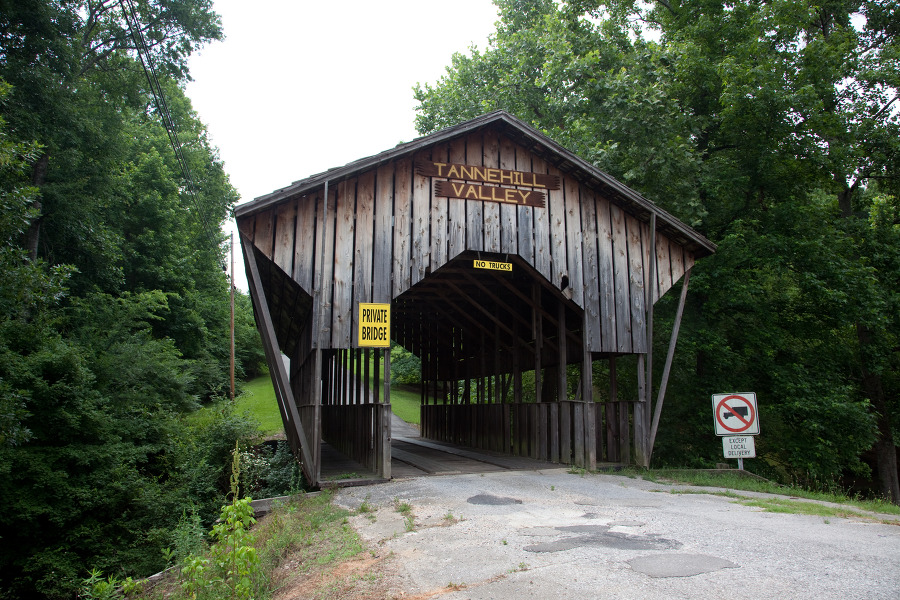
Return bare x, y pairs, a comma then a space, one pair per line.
735, 481
303, 548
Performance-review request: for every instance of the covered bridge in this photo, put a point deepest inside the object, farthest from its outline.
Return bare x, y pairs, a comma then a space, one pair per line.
500, 254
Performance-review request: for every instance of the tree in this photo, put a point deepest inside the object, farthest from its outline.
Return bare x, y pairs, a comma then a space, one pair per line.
768, 126
114, 305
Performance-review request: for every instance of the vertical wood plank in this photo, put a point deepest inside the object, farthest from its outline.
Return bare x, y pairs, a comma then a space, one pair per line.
541, 224
606, 282
421, 214
439, 218
305, 257
564, 427
525, 214
578, 427
509, 235
284, 236
688, 261
457, 206
474, 208
343, 265
590, 436
574, 236
383, 235
491, 158
663, 266
325, 235
557, 207
621, 276
402, 225
677, 262
636, 278
264, 233
592, 330
364, 250
650, 291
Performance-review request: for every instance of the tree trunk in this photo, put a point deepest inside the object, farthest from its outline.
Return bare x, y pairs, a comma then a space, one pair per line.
885, 448
33, 235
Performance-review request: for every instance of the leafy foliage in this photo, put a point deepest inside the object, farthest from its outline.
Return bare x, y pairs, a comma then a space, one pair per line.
114, 307
774, 129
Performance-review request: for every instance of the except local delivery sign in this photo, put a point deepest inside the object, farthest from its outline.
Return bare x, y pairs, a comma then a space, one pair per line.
739, 446
374, 325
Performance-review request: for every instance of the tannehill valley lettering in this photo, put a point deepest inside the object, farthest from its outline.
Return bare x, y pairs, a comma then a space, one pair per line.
487, 175
468, 191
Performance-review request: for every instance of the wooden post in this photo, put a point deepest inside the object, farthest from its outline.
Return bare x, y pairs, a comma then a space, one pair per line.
231, 341
587, 395
386, 421
562, 392
622, 410
641, 416
538, 325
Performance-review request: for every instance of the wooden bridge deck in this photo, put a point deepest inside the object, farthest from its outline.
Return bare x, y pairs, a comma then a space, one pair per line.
413, 456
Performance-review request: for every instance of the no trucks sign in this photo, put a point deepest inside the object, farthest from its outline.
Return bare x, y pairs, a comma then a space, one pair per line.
736, 414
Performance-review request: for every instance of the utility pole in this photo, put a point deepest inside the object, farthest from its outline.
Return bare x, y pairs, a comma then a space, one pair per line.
231, 282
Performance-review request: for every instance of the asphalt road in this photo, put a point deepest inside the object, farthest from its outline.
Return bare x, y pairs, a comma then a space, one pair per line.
554, 534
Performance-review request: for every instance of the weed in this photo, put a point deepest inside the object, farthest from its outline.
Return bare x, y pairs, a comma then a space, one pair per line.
365, 507
410, 523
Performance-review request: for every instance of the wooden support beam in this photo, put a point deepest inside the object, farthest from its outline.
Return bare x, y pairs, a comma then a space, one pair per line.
571, 335
651, 286
663, 384
280, 379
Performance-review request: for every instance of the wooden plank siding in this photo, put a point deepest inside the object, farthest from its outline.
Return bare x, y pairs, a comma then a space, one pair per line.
386, 232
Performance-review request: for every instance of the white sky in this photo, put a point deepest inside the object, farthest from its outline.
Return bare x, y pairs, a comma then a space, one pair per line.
299, 87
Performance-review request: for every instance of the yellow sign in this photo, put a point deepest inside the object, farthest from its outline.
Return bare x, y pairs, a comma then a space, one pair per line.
496, 266
374, 325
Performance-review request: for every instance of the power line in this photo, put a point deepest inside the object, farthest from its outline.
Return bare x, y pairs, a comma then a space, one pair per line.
143, 52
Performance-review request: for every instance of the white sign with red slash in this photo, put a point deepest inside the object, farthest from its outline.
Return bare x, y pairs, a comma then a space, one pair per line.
736, 414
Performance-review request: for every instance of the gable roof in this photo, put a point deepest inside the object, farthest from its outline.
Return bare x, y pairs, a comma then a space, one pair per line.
529, 138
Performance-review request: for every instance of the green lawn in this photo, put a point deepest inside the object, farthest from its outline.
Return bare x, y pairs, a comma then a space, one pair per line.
259, 400
405, 403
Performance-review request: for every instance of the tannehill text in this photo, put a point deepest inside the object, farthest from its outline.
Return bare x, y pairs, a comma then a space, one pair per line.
487, 175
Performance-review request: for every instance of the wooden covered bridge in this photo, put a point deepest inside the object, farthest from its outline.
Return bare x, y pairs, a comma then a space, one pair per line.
500, 254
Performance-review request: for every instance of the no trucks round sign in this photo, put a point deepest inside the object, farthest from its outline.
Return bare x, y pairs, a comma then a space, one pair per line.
736, 413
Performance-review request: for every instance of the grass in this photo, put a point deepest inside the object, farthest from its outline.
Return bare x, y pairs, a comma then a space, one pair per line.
405, 403
783, 505
259, 400
737, 481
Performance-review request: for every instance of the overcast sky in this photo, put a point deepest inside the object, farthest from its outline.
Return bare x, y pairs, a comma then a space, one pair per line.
299, 87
